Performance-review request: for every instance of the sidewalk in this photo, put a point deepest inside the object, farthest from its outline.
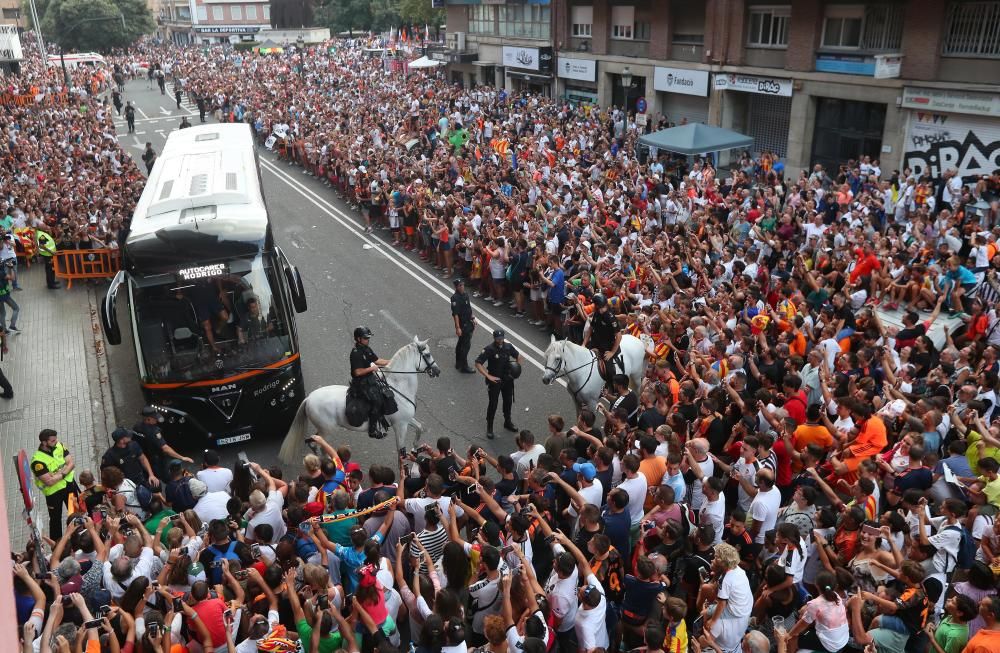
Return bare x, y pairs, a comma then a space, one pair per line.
58, 370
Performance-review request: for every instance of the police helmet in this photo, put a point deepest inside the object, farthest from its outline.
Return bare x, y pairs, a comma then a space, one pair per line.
514, 369
362, 332
600, 301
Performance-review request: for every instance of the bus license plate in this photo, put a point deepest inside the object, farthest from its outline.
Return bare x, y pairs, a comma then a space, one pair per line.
242, 437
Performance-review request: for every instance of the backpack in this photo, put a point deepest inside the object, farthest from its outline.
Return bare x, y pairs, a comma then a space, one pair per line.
214, 573
966, 548
143, 496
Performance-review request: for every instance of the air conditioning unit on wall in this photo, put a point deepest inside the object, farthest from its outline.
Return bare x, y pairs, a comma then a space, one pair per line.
456, 41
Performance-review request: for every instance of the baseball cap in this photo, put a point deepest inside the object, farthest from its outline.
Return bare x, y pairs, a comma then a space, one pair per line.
458, 282
198, 488
498, 333
587, 470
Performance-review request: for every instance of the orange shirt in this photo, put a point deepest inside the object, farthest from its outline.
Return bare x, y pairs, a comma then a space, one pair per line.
985, 641
653, 468
871, 439
807, 434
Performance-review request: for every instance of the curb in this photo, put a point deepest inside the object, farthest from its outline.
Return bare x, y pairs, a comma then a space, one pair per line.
102, 399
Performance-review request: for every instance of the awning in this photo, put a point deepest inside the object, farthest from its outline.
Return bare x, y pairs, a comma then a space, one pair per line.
424, 62
484, 64
529, 77
696, 138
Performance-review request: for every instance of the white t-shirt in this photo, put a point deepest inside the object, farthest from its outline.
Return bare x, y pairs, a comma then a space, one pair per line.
561, 593
216, 478
591, 495
714, 513
591, 627
417, 506
524, 459
947, 541
212, 506
271, 514
764, 509
636, 489
732, 624
697, 496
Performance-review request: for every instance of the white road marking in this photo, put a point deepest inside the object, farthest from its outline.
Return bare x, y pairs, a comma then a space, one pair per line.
141, 112
394, 322
165, 112
160, 132
421, 276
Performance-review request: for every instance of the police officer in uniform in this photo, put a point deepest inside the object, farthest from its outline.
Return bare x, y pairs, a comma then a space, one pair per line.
148, 435
52, 467
47, 250
605, 334
364, 382
500, 363
127, 455
465, 324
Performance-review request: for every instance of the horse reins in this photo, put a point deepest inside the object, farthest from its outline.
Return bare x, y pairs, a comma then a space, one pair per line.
428, 363
562, 363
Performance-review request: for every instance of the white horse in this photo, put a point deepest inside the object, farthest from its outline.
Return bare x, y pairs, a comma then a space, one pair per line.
580, 368
325, 407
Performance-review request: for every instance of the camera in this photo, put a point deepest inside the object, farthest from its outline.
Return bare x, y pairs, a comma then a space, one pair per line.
323, 602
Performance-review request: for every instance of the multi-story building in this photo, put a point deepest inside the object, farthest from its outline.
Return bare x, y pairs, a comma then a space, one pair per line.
211, 21
913, 83
10, 14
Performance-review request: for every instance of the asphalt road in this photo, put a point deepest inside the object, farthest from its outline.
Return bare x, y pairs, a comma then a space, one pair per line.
354, 278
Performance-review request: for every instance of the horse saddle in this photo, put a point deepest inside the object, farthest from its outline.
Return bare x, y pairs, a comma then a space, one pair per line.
608, 369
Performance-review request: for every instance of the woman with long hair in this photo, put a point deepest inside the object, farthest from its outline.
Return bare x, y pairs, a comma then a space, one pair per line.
823, 626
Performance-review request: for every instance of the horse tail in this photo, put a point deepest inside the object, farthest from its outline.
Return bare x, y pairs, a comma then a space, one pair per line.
292, 447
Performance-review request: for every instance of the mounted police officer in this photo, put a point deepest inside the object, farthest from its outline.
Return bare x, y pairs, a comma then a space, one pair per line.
500, 363
604, 335
365, 365
465, 324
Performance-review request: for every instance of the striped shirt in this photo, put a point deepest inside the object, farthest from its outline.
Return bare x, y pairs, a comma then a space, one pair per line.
434, 542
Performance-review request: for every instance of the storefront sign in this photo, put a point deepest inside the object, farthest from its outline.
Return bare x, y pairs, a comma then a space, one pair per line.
845, 64
680, 80
518, 57
10, 43
887, 66
584, 70
932, 99
936, 142
751, 84
228, 29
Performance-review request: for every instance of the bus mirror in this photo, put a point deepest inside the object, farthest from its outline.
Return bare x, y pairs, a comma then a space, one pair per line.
109, 315
298, 291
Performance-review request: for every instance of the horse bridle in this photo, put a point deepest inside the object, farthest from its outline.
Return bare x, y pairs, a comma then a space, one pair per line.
562, 363
425, 355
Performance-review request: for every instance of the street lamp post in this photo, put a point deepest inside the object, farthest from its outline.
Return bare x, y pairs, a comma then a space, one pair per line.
62, 49
300, 45
627, 85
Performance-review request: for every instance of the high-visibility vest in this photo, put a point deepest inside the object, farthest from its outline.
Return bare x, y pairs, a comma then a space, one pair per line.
46, 244
52, 462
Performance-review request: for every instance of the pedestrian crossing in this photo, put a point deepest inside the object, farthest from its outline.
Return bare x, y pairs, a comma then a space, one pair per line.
163, 120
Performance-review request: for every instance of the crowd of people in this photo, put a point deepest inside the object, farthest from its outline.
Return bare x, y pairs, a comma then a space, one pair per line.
792, 474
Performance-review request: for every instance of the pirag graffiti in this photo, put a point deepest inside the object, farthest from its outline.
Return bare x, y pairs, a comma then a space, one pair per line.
936, 142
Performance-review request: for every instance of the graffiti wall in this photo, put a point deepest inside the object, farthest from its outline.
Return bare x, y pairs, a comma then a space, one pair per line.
936, 142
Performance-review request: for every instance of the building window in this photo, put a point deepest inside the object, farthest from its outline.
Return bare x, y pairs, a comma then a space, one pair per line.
11, 14
184, 13
482, 19
877, 27
202, 14
642, 30
688, 39
525, 21
267, 12
217, 14
971, 30
769, 27
623, 22
251, 12
582, 21
236, 12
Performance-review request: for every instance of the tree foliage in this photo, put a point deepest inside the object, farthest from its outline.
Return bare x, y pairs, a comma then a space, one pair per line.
93, 24
376, 15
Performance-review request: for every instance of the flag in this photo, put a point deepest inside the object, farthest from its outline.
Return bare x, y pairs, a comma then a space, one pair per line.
427, 32
513, 158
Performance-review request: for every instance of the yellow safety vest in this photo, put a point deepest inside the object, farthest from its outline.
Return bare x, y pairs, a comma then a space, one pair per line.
52, 462
46, 244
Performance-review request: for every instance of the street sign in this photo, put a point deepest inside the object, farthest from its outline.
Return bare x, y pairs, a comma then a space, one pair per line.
640, 105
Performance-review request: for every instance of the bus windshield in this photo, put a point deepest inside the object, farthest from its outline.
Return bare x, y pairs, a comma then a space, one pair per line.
211, 321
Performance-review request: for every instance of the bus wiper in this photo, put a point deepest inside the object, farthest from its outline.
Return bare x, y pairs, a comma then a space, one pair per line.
256, 369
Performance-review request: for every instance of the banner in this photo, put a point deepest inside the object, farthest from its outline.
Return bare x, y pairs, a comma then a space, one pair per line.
752, 84
681, 80
936, 142
10, 43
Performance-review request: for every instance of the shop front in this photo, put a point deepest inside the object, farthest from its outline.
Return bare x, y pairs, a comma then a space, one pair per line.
846, 130
681, 94
578, 80
951, 129
528, 70
212, 34
757, 106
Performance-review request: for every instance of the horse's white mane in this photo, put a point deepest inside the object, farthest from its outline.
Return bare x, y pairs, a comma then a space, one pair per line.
405, 352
